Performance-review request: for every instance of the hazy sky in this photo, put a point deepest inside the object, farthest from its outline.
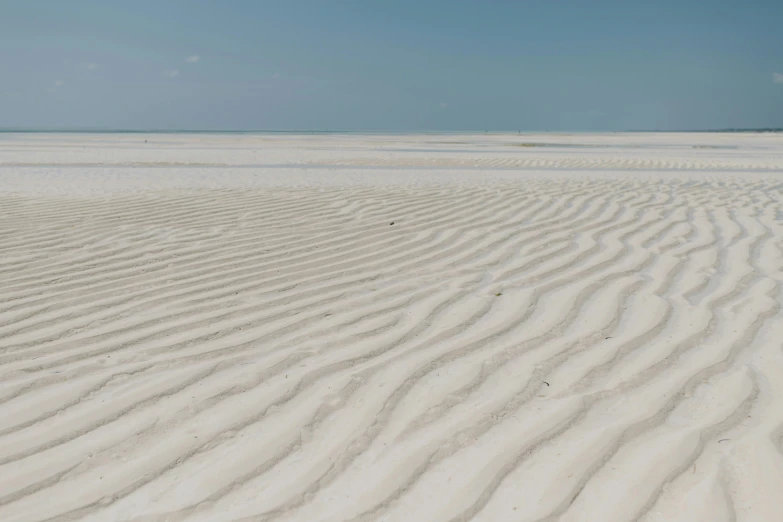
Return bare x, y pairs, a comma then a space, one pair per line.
391, 64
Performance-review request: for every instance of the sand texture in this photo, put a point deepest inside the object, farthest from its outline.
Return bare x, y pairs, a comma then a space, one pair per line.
391, 328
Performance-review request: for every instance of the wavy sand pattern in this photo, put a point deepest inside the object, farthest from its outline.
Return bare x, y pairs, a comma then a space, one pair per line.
575, 334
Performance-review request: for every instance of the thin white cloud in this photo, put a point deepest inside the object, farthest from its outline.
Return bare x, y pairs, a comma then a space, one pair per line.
276, 76
777, 77
171, 74
91, 66
59, 83
52, 89
443, 105
193, 59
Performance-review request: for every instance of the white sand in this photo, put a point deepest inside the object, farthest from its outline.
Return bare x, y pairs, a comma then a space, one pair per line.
216, 328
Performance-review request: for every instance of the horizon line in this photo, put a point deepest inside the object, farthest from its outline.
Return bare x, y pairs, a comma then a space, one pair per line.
88, 130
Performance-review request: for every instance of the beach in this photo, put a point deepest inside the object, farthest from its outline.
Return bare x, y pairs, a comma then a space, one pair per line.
391, 327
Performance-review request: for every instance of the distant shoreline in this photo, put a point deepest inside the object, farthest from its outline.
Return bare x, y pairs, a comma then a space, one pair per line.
365, 132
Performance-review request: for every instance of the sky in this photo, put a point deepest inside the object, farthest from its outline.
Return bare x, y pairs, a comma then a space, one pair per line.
401, 65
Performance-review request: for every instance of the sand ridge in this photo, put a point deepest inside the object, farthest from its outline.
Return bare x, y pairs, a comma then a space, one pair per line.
390, 341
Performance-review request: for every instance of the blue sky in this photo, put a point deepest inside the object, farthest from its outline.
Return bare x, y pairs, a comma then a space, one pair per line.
548, 65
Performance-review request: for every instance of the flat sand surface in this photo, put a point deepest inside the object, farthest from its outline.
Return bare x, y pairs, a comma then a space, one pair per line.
391, 327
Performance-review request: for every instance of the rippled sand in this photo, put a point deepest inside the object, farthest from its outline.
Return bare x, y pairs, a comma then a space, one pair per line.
397, 328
